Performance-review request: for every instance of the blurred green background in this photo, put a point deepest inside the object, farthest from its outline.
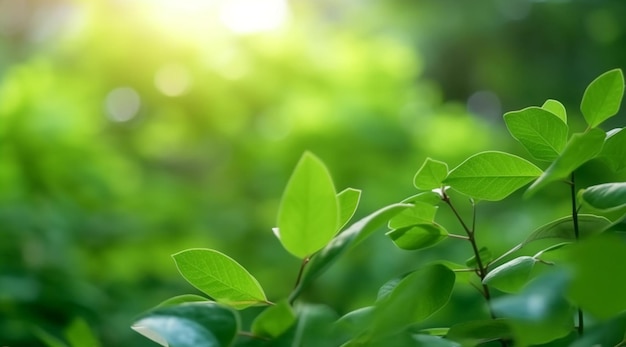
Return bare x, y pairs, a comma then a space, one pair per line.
131, 130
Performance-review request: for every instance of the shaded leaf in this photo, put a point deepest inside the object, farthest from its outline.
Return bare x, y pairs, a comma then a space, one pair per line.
603, 97
579, 149
308, 216
556, 108
348, 201
613, 150
315, 326
609, 333
48, 339
492, 175
430, 175
421, 212
606, 196
220, 277
418, 236
511, 276
541, 132
485, 256
474, 333
353, 235
274, 320
190, 325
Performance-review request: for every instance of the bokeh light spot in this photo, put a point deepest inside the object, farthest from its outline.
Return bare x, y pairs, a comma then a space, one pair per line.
122, 104
173, 80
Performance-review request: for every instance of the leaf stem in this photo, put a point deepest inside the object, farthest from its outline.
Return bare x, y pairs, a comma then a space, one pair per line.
581, 323
462, 237
305, 261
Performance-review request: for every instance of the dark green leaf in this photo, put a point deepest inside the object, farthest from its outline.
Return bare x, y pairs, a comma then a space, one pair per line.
609, 333
603, 97
485, 257
511, 276
430, 175
473, 333
541, 132
190, 325
315, 326
606, 196
579, 149
613, 150
492, 175
274, 320
47, 338
308, 216
348, 202
418, 236
556, 108
220, 277
353, 235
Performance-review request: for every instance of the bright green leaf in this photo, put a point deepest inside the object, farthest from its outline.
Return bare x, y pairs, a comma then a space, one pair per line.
579, 149
220, 277
474, 333
181, 299
599, 280
415, 298
606, 196
430, 175
420, 213
485, 257
613, 150
541, 132
353, 235
348, 201
190, 325
511, 276
418, 236
603, 97
274, 320
556, 108
308, 216
79, 334
430, 198
492, 175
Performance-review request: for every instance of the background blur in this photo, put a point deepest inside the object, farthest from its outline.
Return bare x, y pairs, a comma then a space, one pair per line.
133, 129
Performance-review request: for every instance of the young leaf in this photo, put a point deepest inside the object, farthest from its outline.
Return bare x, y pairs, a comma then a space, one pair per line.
420, 213
415, 298
511, 276
579, 149
418, 236
541, 132
274, 320
430, 175
189, 325
603, 97
556, 108
354, 234
220, 277
606, 196
348, 201
491, 175
613, 150
308, 216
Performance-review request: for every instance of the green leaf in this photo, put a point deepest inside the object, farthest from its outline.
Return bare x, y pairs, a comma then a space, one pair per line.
348, 201
609, 333
430, 175
274, 320
556, 108
190, 325
352, 236
474, 333
430, 198
579, 149
541, 132
606, 196
491, 175
540, 313
415, 298
511, 276
613, 150
308, 216
485, 256
79, 334
418, 236
603, 97
315, 326
47, 338
599, 280
420, 213
220, 277
181, 299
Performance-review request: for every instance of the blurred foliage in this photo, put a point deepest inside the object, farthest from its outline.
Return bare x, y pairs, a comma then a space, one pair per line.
130, 130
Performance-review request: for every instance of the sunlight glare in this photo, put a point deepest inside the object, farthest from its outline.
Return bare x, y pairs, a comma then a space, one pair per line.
252, 16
